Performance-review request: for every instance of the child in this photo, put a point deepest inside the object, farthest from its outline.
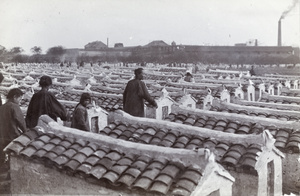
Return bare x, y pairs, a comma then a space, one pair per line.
80, 114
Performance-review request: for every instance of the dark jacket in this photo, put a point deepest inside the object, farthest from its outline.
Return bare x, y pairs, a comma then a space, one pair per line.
188, 78
11, 121
80, 118
252, 72
133, 98
44, 102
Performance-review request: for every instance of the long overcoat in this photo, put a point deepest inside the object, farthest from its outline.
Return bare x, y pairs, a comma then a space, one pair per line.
11, 122
133, 98
44, 102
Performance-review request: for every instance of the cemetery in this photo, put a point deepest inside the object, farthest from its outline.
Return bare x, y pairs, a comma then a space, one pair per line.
226, 133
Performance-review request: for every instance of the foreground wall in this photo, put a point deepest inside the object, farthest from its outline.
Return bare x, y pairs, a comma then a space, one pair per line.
245, 184
291, 173
34, 178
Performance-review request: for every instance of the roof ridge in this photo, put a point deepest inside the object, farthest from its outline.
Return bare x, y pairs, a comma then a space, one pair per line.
185, 156
182, 128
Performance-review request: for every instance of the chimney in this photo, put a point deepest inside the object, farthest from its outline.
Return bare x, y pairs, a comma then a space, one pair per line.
279, 33
107, 42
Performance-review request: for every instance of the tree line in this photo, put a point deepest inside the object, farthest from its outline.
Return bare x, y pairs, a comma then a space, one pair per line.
56, 54
15, 55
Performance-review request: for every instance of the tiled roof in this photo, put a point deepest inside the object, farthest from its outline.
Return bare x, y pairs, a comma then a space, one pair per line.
162, 77
287, 139
267, 98
172, 69
192, 85
239, 157
108, 90
99, 162
278, 106
283, 117
291, 94
110, 103
107, 102
157, 43
95, 45
198, 95
215, 89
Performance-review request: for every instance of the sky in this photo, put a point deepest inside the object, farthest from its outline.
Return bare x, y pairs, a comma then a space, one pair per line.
75, 23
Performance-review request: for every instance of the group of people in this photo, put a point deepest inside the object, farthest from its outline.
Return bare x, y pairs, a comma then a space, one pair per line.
43, 102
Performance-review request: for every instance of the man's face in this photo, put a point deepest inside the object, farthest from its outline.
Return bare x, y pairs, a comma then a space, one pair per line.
86, 102
17, 99
140, 76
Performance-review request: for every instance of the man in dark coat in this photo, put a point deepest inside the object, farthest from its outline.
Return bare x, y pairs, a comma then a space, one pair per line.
188, 77
252, 72
134, 95
12, 123
44, 102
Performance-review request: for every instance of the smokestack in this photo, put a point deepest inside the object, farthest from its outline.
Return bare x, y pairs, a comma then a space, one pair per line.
107, 42
279, 33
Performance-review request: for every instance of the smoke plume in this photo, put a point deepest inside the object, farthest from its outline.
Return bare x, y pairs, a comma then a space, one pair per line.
283, 15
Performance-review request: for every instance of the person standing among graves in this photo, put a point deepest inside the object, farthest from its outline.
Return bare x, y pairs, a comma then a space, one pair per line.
188, 77
80, 115
12, 122
1, 79
44, 102
134, 95
252, 72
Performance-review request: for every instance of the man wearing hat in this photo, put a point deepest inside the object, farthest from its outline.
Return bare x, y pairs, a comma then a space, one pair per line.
44, 102
12, 123
188, 77
134, 95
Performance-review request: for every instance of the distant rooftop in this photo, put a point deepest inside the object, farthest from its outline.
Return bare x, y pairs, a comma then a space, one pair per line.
157, 43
